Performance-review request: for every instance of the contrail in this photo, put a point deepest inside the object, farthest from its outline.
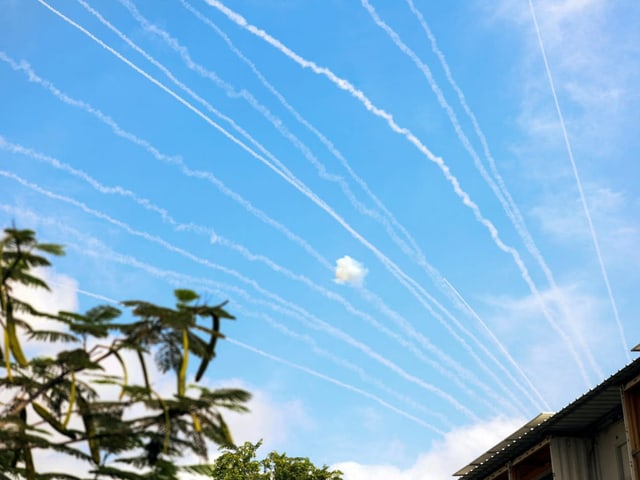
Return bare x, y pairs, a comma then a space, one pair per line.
276, 122
279, 167
242, 250
184, 54
583, 199
413, 250
464, 196
313, 323
402, 277
241, 311
335, 382
408, 282
174, 160
387, 215
23, 66
516, 365
500, 191
338, 360
511, 208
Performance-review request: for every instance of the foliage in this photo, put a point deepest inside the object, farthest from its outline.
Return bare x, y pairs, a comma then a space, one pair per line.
240, 463
62, 403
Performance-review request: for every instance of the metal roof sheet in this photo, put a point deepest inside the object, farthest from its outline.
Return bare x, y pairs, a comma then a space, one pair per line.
582, 416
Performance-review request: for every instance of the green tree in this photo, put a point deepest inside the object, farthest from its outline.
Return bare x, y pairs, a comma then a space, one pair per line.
58, 403
241, 463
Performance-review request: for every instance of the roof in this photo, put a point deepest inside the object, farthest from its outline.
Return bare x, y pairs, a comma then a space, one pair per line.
584, 415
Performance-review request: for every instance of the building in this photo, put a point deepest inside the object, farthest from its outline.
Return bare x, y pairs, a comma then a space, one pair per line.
597, 437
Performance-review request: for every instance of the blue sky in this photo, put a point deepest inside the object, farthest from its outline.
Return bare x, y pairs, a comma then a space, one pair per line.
247, 149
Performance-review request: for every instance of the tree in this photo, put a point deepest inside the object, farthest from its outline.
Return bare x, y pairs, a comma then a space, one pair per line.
240, 463
61, 403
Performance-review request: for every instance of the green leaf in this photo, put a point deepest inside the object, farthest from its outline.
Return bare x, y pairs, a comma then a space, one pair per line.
51, 248
52, 336
185, 296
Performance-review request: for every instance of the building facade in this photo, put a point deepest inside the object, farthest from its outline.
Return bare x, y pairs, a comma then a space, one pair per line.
596, 437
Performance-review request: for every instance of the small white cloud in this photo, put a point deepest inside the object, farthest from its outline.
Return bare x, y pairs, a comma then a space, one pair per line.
445, 456
350, 271
62, 296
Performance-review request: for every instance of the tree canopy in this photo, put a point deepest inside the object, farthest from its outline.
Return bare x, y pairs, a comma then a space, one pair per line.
61, 403
241, 463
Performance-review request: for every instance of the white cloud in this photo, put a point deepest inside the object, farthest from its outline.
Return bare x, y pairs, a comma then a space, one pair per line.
62, 296
274, 422
350, 271
446, 456
593, 59
561, 217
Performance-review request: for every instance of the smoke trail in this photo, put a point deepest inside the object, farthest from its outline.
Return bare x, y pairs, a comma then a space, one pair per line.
220, 240
500, 191
335, 382
23, 66
110, 255
583, 199
402, 277
464, 196
409, 283
415, 251
511, 208
285, 272
281, 169
388, 216
313, 322
276, 122
174, 160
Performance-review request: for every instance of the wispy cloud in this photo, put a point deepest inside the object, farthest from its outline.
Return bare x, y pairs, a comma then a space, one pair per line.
444, 456
591, 51
558, 215
542, 353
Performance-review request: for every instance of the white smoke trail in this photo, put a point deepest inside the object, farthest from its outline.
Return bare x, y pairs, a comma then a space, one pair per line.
505, 199
583, 199
335, 382
402, 277
276, 122
463, 195
313, 321
279, 167
220, 240
209, 232
406, 326
171, 278
387, 216
81, 104
511, 208
174, 160
415, 251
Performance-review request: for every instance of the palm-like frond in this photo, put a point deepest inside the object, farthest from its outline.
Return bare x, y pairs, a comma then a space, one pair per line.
54, 402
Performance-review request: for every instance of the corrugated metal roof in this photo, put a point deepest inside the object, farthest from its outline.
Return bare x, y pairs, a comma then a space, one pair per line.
584, 415
497, 449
